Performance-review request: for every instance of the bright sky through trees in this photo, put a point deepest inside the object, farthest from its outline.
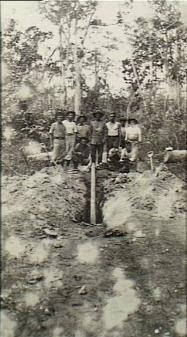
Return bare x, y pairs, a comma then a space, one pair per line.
26, 14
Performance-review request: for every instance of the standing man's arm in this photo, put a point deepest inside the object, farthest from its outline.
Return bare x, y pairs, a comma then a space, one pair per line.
75, 131
126, 135
140, 135
119, 134
51, 135
89, 133
91, 130
105, 133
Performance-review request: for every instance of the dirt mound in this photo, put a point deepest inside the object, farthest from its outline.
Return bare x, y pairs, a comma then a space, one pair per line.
157, 197
32, 200
60, 281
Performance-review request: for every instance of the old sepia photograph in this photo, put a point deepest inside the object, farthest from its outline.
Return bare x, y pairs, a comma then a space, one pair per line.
93, 168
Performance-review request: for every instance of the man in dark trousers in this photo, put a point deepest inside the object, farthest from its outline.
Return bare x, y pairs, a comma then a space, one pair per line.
97, 136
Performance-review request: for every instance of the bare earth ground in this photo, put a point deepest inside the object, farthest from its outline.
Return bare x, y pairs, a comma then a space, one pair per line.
64, 278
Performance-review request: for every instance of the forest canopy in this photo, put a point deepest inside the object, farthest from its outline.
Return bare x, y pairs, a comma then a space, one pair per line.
71, 67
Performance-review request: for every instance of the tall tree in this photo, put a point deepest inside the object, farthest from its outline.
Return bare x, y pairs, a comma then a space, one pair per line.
73, 19
158, 49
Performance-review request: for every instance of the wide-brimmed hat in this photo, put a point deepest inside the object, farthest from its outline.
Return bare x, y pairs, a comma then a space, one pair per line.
98, 112
70, 112
59, 112
85, 138
133, 120
81, 116
123, 119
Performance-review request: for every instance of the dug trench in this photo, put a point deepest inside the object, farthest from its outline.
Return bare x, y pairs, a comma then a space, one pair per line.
63, 277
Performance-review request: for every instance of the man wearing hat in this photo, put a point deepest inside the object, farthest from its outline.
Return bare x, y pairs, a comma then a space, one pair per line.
134, 137
83, 130
70, 131
113, 132
97, 136
57, 139
81, 153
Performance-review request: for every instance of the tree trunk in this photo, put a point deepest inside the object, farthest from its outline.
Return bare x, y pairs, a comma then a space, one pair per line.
77, 99
96, 70
185, 98
178, 79
139, 85
166, 72
64, 91
77, 64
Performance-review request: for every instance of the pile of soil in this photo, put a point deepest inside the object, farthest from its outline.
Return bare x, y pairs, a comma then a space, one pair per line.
162, 195
59, 279
33, 201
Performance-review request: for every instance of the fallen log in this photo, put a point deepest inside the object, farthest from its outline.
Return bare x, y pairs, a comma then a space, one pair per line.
44, 156
174, 156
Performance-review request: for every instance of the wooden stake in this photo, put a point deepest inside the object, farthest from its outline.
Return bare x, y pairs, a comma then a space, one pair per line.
93, 196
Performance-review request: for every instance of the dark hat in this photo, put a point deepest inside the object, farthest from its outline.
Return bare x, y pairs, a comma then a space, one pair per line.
98, 112
70, 112
83, 138
81, 116
59, 112
123, 119
133, 120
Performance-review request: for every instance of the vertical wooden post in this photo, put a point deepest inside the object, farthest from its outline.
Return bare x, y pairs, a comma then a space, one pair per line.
93, 196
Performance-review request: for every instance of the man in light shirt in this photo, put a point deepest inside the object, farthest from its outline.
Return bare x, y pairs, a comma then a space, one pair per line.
70, 135
57, 140
134, 137
113, 132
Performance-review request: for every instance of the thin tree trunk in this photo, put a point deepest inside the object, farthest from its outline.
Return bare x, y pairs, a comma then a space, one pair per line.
96, 71
139, 85
178, 95
176, 140
178, 79
77, 65
77, 100
64, 91
165, 106
166, 59
185, 98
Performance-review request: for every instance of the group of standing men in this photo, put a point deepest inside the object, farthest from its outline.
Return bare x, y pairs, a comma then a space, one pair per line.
98, 141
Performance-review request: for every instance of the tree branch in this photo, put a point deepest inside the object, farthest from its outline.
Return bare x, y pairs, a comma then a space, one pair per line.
87, 27
54, 50
62, 30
